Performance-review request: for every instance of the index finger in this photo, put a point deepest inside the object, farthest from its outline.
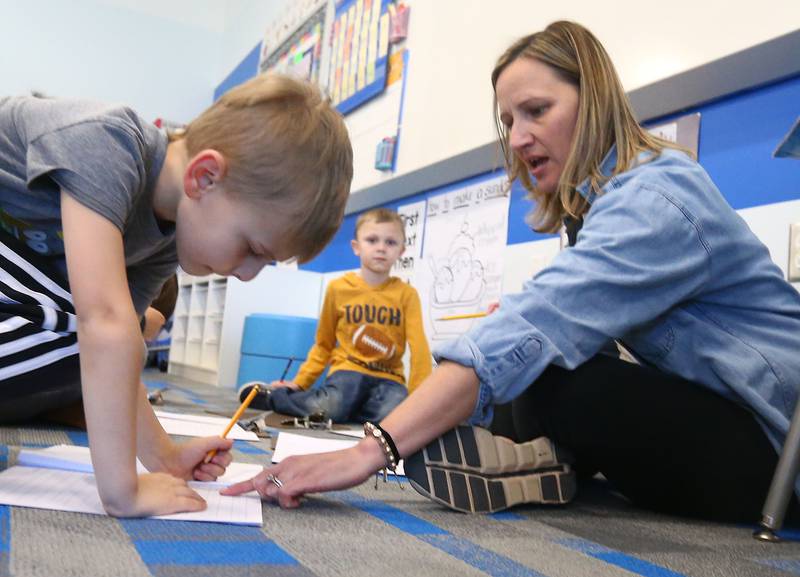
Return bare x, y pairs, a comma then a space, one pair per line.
239, 488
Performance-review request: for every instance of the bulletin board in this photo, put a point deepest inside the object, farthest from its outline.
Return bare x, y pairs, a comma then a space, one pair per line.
359, 52
300, 54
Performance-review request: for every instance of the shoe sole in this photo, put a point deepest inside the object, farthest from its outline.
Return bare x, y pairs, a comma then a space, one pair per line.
476, 450
260, 401
470, 493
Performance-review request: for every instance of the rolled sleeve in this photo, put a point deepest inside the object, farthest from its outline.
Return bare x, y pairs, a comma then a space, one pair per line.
505, 351
638, 255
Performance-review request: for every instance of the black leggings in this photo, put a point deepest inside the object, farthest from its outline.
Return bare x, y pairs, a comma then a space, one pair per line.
665, 443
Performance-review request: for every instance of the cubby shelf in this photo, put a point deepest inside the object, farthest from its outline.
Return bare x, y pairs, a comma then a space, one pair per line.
197, 327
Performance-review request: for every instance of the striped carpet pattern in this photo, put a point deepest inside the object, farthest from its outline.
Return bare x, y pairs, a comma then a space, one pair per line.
384, 532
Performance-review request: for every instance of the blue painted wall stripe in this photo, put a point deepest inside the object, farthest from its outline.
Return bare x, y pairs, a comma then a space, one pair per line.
737, 137
470, 553
245, 70
338, 255
617, 558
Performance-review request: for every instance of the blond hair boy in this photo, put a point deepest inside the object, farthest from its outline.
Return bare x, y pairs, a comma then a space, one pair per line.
366, 320
99, 195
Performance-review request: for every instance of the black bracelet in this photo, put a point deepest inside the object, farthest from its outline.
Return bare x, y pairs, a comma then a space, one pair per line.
390, 442
382, 437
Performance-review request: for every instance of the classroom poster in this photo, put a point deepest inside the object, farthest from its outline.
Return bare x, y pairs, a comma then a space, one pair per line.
462, 259
299, 54
413, 216
359, 50
684, 130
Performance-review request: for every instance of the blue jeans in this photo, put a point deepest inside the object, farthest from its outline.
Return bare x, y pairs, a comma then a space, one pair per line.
346, 396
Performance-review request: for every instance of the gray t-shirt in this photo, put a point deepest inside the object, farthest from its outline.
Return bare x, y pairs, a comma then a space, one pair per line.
106, 157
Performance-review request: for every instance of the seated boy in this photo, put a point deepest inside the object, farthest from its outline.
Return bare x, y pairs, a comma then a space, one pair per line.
366, 320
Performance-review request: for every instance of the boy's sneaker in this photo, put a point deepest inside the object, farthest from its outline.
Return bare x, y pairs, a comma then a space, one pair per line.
469, 469
261, 401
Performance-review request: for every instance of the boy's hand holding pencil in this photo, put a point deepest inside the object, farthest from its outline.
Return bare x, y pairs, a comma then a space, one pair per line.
282, 382
246, 403
189, 460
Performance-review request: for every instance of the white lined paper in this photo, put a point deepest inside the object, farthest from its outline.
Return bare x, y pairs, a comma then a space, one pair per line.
60, 490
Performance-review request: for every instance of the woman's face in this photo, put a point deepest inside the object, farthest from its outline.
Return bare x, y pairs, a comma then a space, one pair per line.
539, 109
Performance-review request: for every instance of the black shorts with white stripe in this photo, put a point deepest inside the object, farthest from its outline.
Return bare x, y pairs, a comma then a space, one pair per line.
39, 367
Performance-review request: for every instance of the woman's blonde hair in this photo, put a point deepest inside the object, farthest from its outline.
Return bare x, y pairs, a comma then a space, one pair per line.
605, 118
286, 145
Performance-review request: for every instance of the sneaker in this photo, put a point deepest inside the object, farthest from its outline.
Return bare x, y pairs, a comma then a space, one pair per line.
477, 450
469, 469
261, 401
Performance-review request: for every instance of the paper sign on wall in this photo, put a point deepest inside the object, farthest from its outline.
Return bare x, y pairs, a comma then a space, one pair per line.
462, 265
413, 216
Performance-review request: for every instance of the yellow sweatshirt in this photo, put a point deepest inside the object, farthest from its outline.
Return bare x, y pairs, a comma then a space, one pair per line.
365, 329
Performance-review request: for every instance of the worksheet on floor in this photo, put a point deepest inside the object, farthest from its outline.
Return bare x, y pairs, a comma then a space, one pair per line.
78, 458
60, 490
200, 426
289, 444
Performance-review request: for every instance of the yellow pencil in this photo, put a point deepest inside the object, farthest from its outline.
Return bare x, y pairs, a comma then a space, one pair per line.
239, 411
458, 317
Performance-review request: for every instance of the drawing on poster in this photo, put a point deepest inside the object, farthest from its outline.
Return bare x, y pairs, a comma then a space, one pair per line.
458, 280
465, 238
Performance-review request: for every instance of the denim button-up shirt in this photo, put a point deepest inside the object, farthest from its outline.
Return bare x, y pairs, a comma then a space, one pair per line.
665, 265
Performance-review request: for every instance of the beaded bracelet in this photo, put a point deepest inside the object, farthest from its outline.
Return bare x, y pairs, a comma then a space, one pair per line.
386, 442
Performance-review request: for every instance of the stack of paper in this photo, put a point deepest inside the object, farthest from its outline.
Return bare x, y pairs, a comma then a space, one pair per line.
61, 478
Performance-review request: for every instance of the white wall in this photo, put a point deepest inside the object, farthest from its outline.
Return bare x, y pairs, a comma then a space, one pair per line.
245, 23
276, 290
454, 44
162, 58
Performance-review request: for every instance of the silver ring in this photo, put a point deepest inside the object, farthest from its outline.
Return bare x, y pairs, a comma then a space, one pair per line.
274, 480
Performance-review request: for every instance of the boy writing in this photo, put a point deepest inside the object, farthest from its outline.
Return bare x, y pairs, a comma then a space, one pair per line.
366, 320
96, 195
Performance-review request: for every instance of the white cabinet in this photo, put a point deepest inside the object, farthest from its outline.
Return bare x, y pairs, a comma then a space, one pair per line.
197, 327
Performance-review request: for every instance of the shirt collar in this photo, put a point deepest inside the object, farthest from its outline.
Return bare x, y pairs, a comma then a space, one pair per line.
607, 167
